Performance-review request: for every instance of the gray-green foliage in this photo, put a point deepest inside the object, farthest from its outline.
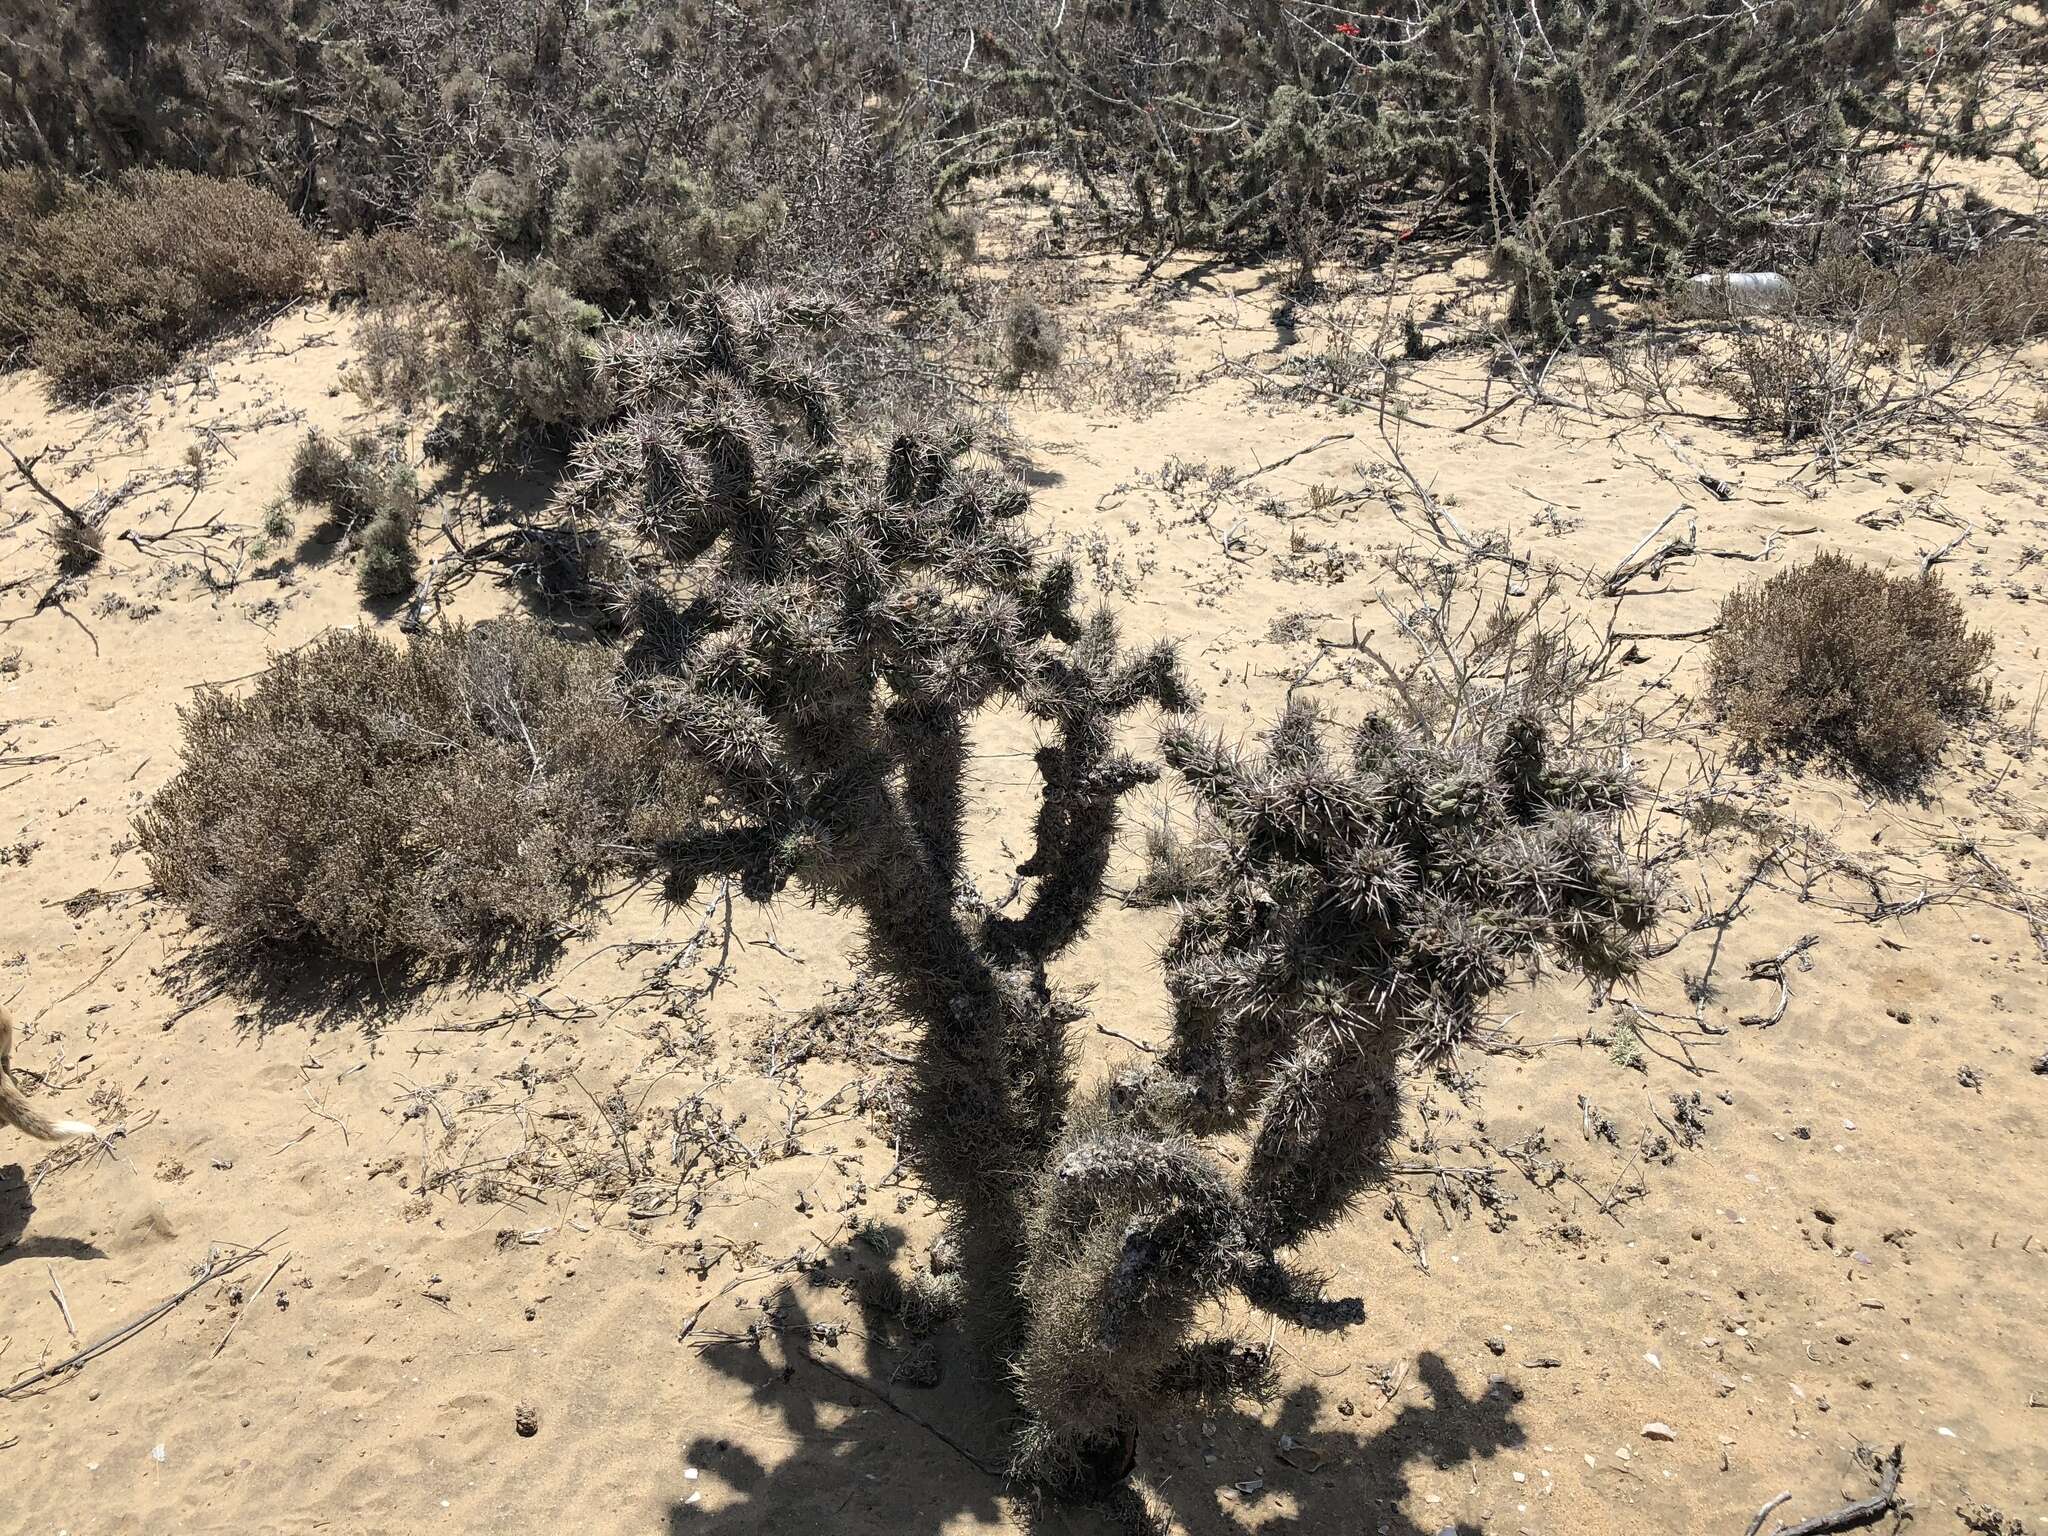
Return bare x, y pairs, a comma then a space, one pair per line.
816, 626
442, 800
373, 498
1586, 138
1368, 894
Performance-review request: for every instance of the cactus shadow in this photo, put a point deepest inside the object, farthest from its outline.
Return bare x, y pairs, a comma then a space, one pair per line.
858, 1450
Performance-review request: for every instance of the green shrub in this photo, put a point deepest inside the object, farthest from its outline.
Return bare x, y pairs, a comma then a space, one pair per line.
1837, 657
373, 498
388, 565
438, 800
106, 286
508, 350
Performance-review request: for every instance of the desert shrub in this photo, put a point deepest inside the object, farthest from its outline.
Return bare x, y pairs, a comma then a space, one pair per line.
107, 285
507, 351
1028, 338
372, 498
1838, 657
79, 539
1177, 862
816, 624
1795, 380
1586, 142
326, 472
1992, 295
433, 801
388, 564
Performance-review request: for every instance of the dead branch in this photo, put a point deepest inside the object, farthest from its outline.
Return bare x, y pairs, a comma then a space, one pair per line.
1772, 968
1934, 557
1765, 1513
1639, 563
1321, 442
26, 468
216, 1267
1862, 1512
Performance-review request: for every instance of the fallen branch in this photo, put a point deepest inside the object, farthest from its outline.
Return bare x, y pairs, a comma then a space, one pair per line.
214, 1269
1321, 442
1636, 563
1765, 1513
1929, 561
26, 468
1862, 1512
1772, 968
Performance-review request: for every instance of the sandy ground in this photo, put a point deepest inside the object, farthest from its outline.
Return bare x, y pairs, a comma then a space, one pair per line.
621, 1208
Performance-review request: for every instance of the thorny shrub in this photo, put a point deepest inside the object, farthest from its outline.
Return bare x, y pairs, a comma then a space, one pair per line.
816, 623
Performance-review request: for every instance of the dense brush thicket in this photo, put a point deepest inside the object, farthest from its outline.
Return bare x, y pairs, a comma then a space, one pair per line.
1588, 139
1838, 657
439, 801
561, 163
104, 286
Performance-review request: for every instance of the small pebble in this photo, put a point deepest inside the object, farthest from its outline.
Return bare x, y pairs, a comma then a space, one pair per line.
1656, 1429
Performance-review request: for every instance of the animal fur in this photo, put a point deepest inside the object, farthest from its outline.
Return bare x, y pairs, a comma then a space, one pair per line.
15, 1110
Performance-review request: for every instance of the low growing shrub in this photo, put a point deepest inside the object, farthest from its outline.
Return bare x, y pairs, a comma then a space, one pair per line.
389, 564
1837, 657
1030, 340
447, 798
106, 286
79, 540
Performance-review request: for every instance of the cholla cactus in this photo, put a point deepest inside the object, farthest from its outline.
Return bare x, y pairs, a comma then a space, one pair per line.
817, 628
1358, 908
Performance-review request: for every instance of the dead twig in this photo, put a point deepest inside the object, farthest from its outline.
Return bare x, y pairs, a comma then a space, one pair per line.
1862, 1512
1321, 442
1765, 1513
244, 1312
216, 1267
1772, 968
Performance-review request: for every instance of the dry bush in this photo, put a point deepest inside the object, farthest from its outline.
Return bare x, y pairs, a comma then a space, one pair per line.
439, 800
78, 538
1029, 339
508, 351
1838, 657
1861, 350
1177, 862
1993, 296
1795, 380
106, 286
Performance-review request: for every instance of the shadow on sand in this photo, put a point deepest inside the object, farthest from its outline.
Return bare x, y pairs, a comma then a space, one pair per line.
856, 1449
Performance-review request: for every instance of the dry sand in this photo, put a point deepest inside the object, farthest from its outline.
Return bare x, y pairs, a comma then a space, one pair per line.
1855, 1251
